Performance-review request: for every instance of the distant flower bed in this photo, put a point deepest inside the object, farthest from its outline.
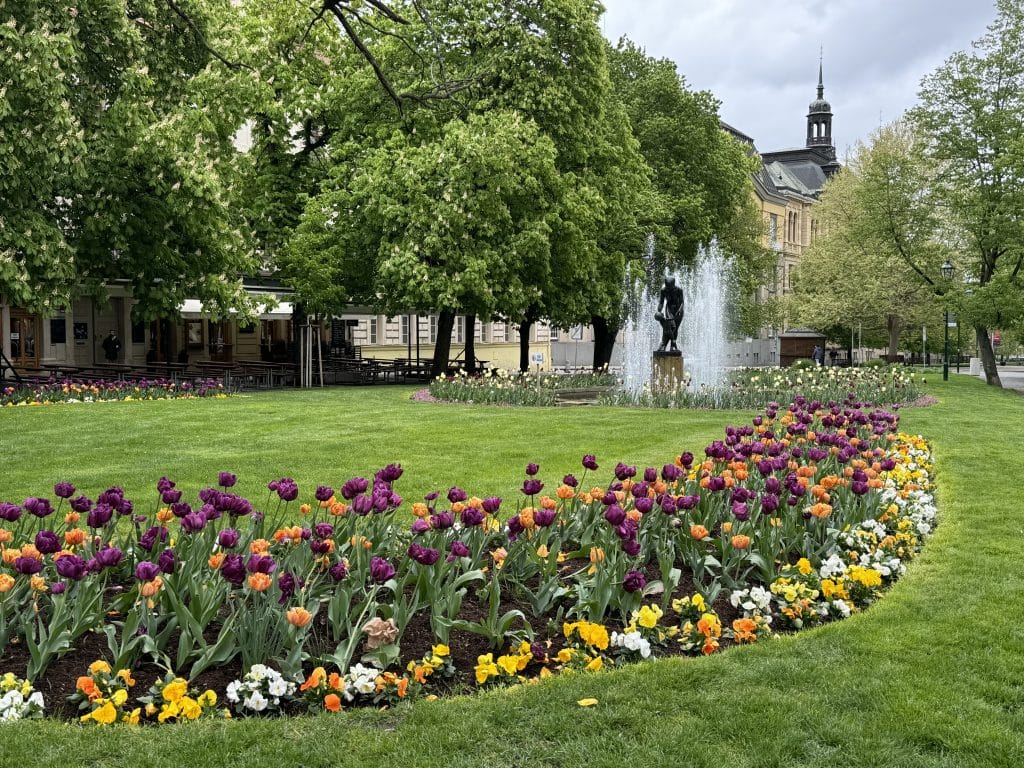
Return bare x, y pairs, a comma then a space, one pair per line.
219, 605
755, 387
501, 387
75, 391
743, 389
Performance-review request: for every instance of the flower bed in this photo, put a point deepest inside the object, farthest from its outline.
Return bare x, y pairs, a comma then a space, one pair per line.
75, 391
194, 609
745, 388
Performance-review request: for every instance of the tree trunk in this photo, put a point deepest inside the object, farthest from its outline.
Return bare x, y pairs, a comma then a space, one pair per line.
524, 344
604, 341
470, 331
894, 326
443, 344
988, 356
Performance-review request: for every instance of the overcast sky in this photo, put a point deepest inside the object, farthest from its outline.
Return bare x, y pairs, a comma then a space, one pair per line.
760, 57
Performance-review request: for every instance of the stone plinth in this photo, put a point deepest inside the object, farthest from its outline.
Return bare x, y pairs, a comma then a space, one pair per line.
666, 370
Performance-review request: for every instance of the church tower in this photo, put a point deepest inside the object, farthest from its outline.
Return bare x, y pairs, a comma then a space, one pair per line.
819, 122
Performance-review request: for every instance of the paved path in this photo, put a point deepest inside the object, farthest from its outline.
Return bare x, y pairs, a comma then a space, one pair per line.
1012, 376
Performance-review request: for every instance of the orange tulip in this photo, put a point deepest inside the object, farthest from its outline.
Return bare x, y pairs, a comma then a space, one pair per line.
259, 582
739, 541
216, 560
298, 617
150, 588
699, 532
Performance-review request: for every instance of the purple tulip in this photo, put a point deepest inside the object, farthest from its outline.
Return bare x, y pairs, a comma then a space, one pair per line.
287, 489
352, 488
323, 492
456, 494
226, 479
362, 505
228, 538
323, 530
9, 512
171, 496
339, 570
458, 549
99, 516
28, 566
544, 517
634, 581
688, 502
515, 527
472, 517
233, 569
167, 561
234, 506
320, 547
47, 542
109, 557
644, 505
624, 471
381, 570
38, 507
164, 484
181, 509
740, 511
70, 567
590, 462
442, 520
193, 522
423, 555
419, 526
686, 459
491, 504
631, 547
57, 588
390, 473
63, 490
532, 469
670, 473
286, 582
532, 487
146, 571
859, 488
668, 505
615, 515
260, 564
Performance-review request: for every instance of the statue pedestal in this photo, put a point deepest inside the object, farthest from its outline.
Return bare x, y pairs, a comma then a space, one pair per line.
666, 370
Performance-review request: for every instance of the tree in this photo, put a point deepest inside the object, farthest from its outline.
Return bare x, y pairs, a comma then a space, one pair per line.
880, 243
970, 115
111, 168
701, 177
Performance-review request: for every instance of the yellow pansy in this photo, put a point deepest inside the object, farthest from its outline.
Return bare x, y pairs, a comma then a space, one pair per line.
174, 690
99, 666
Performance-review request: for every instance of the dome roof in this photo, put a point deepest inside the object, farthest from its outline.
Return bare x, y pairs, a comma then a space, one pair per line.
819, 105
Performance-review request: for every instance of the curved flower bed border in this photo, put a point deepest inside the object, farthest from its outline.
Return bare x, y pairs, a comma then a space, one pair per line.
77, 391
802, 516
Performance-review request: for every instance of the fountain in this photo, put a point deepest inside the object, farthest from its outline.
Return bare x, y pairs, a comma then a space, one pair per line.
702, 334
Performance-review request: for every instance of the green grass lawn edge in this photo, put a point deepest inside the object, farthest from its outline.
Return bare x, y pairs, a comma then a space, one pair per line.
932, 676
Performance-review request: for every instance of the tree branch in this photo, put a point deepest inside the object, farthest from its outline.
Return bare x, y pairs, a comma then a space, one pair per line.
202, 38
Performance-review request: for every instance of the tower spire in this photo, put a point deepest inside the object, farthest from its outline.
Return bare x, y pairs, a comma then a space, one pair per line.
819, 115
821, 82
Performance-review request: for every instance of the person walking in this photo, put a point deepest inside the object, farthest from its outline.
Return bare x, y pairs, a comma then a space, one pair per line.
111, 347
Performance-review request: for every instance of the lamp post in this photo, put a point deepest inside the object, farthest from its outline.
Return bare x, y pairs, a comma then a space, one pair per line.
947, 275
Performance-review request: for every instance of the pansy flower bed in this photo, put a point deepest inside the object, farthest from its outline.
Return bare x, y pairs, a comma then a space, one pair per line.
49, 392
214, 605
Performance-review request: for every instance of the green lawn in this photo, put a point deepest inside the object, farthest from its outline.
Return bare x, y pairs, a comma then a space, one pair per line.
931, 676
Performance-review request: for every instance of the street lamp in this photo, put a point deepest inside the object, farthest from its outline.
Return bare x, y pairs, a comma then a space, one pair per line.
947, 275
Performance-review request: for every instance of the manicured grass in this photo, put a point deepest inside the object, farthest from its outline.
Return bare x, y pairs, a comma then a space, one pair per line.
325, 437
931, 676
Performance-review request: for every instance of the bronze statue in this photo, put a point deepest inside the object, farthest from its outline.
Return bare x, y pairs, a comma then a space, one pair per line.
670, 314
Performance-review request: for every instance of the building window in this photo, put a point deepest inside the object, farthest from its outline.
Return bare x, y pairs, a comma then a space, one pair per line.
433, 329
373, 330
460, 330
773, 229
404, 332
485, 332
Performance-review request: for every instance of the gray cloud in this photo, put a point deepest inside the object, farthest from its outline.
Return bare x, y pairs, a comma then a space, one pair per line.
760, 57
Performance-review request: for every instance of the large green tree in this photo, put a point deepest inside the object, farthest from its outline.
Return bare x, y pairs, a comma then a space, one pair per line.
875, 263
970, 114
111, 167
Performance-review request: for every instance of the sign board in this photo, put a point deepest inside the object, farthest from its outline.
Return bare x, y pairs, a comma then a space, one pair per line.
537, 358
